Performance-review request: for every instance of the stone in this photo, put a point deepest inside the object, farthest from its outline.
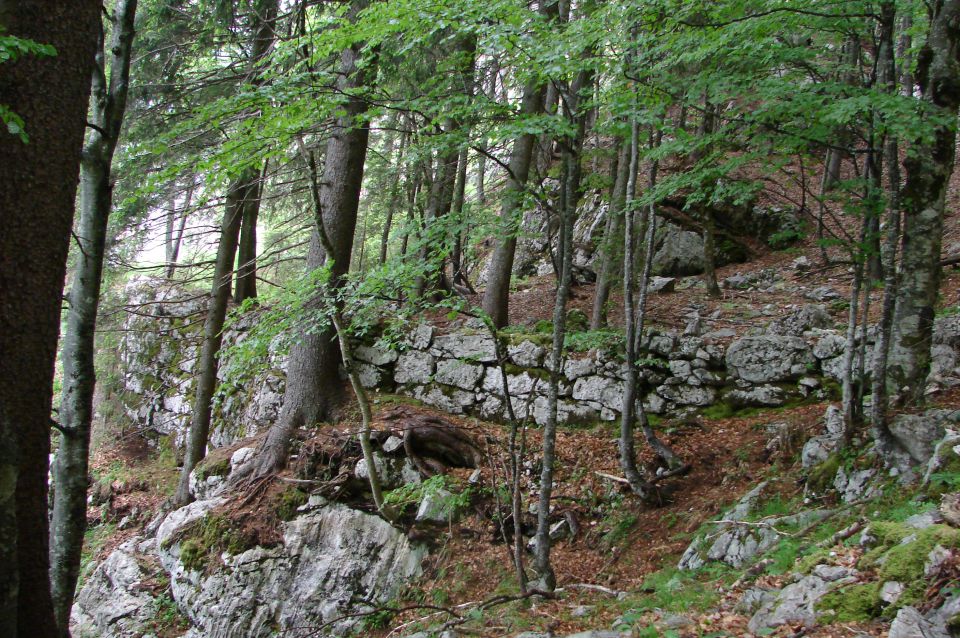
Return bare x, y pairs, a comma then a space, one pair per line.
475, 348
581, 611
768, 359
700, 396
753, 599
761, 396
392, 444
413, 367
420, 337
370, 375
801, 264
392, 471
946, 452
919, 434
575, 368
678, 252
822, 293
910, 623
699, 551
891, 591
437, 508
330, 557
803, 319
855, 486
375, 355
112, 603
795, 604
829, 345
601, 390
526, 354
557, 531
661, 285
241, 456
458, 374
449, 399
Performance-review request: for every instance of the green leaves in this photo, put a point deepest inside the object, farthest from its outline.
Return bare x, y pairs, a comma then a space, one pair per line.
13, 48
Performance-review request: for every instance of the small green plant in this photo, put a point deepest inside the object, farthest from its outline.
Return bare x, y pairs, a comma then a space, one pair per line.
413, 493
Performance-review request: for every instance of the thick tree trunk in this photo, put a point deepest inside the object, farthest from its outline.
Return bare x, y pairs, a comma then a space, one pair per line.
68, 521
609, 255
496, 297
928, 167
38, 182
313, 384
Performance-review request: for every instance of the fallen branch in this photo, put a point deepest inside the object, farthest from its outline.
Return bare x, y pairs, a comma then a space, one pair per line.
618, 479
591, 587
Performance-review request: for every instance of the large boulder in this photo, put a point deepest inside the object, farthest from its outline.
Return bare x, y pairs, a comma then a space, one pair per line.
795, 604
918, 434
768, 358
330, 557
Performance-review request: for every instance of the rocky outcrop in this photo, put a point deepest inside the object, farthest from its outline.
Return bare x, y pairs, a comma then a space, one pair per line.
796, 603
330, 557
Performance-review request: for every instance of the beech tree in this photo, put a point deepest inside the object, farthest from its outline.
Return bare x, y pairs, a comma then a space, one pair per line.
44, 86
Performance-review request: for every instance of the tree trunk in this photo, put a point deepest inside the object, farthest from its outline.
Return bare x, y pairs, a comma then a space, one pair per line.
394, 204
496, 297
247, 248
888, 80
208, 363
609, 253
313, 384
459, 193
928, 167
570, 197
38, 183
174, 239
69, 517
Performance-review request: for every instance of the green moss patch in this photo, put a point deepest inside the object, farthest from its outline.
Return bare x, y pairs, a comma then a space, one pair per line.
290, 499
203, 540
856, 603
821, 476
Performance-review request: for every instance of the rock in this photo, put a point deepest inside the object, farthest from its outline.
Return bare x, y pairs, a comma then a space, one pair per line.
375, 355
945, 454
661, 285
819, 448
699, 552
829, 345
558, 531
206, 487
602, 390
458, 374
946, 331
392, 444
753, 599
678, 252
581, 611
764, 395
688, 394
437, 508
112, 602
802, 320
950, 508
476, 348
526, 354
795, 602
576, 368
891, 591
832, 573
768, 359
447, 399
919, 434
241, 456
420, 337
935, 559
674, 621
856, 486
823, 293
413, 367
393, 472
910, 623
923, 520
801, 264
330, 557
370, 375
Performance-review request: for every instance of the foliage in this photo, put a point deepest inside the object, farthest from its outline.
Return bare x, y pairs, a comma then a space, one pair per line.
13, 48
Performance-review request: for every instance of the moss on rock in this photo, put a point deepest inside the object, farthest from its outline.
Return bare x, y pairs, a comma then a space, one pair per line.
821, 476
856, 603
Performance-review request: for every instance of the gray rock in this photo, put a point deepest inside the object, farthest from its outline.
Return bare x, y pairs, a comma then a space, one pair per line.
581, 611
919, 434
768, 359
330, 557
910, 623
420, 337
945, 451
370, 375
802, 320
679, 252
661, 285
576, 368
447, 399
392, 471
478, 348
458, 374
111, 603
829, 345
688, 394
891, 591
601, 390
795, 603
753, 599
437, 508
764, 395
823, 293
856, 486
413, 367
376, 355
801, 263
526, 354
601, 633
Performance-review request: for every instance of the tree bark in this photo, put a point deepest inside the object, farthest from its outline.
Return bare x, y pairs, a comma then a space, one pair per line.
496, 297
247, 248
394, 203
68, 520
570, 191
174, 239
609, 253
929, 166
208, 364
38, 183
313, 384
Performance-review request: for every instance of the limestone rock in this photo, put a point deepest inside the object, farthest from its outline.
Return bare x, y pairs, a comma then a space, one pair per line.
375, 355
764, 396
478, 348
661, 285
919, 434
910, 623
458, 374
526, 354
413, 367
768, 359
795, 602
331, 556
393, 472
803, 319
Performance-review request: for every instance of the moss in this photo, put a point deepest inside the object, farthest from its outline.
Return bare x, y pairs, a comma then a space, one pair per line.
577, 321
202, 541
806, 564
290, 500
213, 467
536, 373
718, 411
904, 562
857, 603
821, 476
